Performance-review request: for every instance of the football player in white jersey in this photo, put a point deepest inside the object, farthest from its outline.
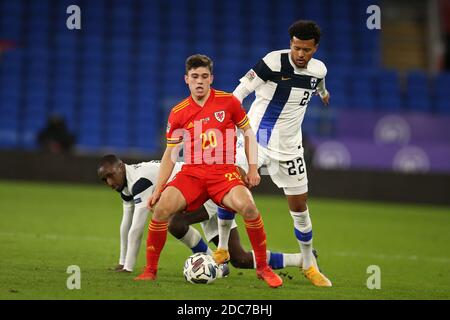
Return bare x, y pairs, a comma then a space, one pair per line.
284, 82
135, 184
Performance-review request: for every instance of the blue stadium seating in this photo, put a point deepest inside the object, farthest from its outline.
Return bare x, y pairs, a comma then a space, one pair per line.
115, 82
388, 91
418, 94
443, 105
90, 135
442, 93
361, 92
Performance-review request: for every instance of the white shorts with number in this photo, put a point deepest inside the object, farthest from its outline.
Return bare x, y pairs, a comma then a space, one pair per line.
289, 175
210, 227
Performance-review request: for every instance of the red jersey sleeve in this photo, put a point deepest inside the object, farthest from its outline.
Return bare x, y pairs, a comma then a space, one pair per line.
239, 116
173, 135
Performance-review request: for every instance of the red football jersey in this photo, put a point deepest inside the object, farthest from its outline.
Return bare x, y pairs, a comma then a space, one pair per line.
208, 132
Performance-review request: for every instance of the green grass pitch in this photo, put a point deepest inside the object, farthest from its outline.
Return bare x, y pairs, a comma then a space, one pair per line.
47, 227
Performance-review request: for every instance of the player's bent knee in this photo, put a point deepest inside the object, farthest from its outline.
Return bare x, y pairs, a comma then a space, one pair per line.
297, 203
249, 210
162, 212
178, 226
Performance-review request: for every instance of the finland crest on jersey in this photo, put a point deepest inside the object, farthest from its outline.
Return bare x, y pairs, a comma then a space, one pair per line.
282, 94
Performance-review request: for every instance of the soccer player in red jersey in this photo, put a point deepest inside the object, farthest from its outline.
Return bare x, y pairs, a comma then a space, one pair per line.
206, 123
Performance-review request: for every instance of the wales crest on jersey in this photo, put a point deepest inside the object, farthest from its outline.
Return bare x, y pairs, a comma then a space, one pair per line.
220, 115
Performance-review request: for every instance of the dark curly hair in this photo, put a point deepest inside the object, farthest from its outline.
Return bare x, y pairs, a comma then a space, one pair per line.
305, 30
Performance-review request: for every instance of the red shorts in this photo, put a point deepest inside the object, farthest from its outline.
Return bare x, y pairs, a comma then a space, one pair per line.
199, 183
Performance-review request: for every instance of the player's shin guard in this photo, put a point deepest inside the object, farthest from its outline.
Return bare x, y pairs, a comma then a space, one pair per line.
303, 233
257, 236
157, 235
224, 220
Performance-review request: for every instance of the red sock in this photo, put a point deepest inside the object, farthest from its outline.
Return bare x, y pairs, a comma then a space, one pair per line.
157, 235
257, 236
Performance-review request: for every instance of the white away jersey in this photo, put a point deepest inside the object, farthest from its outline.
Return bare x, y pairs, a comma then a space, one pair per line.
282, 94
141, 178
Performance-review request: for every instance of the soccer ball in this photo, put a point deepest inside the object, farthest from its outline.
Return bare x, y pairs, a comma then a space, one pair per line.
200, 268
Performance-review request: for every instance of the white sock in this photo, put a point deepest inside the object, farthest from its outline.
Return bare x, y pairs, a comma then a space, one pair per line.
303, 233
224, 220
293, 259
289, 260
194, 241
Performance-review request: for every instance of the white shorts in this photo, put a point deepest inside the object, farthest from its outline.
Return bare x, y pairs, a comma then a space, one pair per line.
290, 175
210, 227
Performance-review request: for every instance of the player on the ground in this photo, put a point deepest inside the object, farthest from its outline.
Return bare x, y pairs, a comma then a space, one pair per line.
206, 123
284, 81
135, 184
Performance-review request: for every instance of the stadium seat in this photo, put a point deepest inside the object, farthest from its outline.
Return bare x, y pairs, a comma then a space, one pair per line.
363, 101
119, 143
34, 120
89, 139
391, 102
343, 57
10, 27
89, 131
442, 93
338, 9
362, 92
442, 81
443, 105
418, 95
339, 100
148, 138
117, 133
9, 102
417, 79
36, 102
421, 103
13, 8
388, 91
11, 64
128, 41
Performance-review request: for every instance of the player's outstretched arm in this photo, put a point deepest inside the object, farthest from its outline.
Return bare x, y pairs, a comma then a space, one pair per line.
165, 170
241, 92
252, 178
140, 215
125, 225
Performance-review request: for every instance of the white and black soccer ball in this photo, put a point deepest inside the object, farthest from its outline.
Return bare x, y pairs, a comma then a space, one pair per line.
200, 268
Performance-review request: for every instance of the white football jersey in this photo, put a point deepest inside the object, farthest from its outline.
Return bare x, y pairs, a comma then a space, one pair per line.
141, 178
282, 94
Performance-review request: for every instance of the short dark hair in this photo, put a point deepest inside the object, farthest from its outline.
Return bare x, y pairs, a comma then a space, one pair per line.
108, 159
305, 30
197, 61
